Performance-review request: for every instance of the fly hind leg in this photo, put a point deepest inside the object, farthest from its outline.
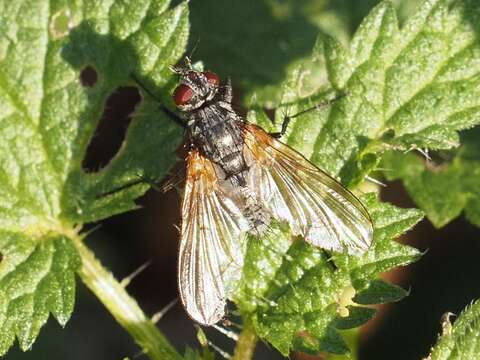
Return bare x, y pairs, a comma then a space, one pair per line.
288, 118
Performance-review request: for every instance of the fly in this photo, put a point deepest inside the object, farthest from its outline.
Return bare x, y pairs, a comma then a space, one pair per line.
238, 179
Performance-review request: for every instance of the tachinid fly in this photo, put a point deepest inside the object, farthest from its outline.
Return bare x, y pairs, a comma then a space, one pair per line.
239, 177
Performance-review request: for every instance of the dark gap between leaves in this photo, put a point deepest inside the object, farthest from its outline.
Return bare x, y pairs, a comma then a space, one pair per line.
111, 129
88, 76
438, 159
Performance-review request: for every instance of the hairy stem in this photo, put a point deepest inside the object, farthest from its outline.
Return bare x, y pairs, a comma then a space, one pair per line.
122, 306
246, 343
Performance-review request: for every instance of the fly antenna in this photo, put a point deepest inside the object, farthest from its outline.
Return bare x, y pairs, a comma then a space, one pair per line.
178, 69
175, 69
188, 62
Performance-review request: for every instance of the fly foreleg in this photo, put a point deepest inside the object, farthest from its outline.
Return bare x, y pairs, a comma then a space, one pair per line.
173, 115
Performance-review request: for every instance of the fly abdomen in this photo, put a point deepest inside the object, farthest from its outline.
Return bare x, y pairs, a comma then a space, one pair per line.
235, 168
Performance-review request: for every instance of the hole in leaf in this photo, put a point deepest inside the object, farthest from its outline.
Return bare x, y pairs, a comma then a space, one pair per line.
88, 76
61, 23
112, 128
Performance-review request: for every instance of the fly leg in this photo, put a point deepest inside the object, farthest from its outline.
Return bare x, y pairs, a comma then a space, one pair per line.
141, 179
287, 119
174, 116
172, 182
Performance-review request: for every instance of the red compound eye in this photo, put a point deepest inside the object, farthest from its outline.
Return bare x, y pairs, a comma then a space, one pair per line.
212, 78
182, 94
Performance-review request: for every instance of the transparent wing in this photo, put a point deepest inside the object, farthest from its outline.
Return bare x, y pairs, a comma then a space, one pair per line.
314, 204
211, 246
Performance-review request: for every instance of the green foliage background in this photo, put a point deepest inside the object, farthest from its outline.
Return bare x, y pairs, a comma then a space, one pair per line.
410, 85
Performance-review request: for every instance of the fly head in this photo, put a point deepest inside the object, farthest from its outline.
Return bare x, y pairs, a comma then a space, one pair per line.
195, 87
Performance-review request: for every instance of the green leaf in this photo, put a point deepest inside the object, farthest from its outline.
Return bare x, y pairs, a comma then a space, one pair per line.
255, 56
380, 292
414, 86
297, 296
284, 33
460, 342
37, 276
47, 120
445, 189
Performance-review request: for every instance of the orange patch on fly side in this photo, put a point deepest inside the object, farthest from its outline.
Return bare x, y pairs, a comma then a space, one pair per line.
257, 140
198, 167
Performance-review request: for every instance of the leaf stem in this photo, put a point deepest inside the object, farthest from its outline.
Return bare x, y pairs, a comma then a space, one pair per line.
246, 343
122, 306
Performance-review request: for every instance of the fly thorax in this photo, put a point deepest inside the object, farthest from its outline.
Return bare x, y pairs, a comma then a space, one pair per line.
219, 138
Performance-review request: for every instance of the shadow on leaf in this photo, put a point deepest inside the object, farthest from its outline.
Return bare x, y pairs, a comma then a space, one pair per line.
151, 139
